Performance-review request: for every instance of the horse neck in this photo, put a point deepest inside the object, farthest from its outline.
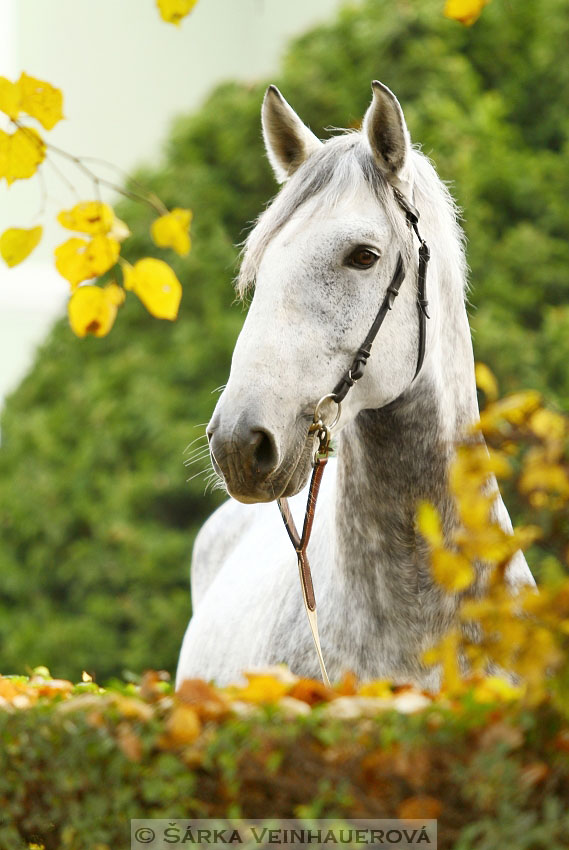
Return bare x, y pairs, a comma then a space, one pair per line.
389, 460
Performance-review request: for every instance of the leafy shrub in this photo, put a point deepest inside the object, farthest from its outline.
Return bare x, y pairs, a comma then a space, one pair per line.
493, 773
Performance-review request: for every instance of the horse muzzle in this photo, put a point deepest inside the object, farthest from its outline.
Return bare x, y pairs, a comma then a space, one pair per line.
246, 454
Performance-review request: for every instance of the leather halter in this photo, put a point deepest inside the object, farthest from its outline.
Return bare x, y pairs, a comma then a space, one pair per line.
346, 382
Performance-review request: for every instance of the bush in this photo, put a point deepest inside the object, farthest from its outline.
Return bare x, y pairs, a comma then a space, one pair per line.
96, 518
493, 773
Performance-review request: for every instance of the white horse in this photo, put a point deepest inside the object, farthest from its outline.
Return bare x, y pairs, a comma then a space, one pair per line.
321, 258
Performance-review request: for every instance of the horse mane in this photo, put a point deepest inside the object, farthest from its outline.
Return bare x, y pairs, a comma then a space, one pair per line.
338, 168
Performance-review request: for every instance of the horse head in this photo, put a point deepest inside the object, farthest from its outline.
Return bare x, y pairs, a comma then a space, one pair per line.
320, 259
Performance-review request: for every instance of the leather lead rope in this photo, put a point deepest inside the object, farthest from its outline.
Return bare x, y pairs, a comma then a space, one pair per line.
300, 544
323, 432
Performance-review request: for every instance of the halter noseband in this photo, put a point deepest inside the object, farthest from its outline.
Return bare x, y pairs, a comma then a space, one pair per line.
346, 382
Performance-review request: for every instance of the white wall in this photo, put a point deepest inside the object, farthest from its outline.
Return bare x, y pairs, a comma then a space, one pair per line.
124, 74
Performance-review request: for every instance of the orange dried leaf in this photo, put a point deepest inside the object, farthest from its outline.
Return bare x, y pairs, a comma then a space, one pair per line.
151, 686
534, 773
8, 690
52, 687
348, 685
208, 703
311, 691
421, 806
134, 709
183, 726
129, 742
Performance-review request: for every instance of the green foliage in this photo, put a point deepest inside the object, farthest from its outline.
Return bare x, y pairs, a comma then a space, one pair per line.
96, 518
494, 775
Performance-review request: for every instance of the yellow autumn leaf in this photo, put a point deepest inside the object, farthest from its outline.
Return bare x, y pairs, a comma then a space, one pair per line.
115, 293
514, 409
495, 689
156, 285
262, 688
486, 381
93, 309
548, 426
90, 217
473, 465
452, 570
18, 243
379, 688
493, 544
429, 524
78, 259
41, 100
446, 653
548, 477
171, 231
10, 97
102, 253
20, 154
4, 151
464, 11
173, 11
70, 261
474, 509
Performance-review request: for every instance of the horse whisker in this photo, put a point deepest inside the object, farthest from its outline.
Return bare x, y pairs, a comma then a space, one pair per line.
196, 475
196, 460
188, 447
197, 451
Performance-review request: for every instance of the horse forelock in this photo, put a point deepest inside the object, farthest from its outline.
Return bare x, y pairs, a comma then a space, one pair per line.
339, 170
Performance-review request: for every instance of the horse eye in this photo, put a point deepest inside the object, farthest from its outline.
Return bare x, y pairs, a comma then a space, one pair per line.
362, 258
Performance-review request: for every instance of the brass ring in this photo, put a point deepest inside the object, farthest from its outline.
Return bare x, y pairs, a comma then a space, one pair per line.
338, 411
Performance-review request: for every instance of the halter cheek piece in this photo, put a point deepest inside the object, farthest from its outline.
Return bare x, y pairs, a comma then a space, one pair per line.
356, 370
346, 382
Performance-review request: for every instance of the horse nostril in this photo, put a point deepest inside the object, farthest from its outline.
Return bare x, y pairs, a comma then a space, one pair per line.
264, 452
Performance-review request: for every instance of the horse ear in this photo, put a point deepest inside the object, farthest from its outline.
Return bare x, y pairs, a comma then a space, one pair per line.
287, 140
386, 131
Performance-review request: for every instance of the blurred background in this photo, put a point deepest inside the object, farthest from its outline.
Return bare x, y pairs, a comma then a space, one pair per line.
124, 74
97, 518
